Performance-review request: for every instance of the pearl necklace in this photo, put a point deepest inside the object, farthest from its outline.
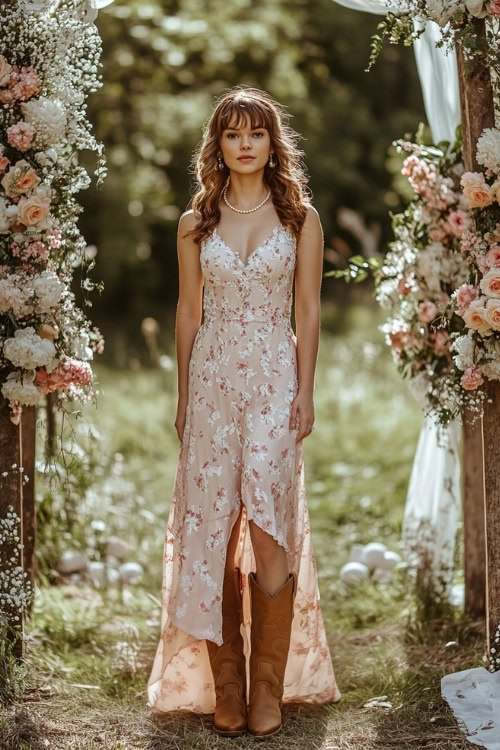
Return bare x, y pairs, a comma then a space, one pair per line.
241, 210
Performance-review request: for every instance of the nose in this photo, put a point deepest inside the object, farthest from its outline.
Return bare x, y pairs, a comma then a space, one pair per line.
245, 142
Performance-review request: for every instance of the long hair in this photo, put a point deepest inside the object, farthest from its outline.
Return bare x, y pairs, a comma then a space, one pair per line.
287, 180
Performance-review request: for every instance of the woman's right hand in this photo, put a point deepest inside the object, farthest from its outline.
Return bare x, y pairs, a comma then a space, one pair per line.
180, 420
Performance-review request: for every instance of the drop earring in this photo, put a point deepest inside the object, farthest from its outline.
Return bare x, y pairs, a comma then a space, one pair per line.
272, 162
220, 163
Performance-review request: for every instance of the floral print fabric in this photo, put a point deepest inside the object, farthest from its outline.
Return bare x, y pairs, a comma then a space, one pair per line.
237, 452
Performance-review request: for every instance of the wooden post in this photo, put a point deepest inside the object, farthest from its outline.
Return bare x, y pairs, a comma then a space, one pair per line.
473, 518
11, 494
28, 435
476, 96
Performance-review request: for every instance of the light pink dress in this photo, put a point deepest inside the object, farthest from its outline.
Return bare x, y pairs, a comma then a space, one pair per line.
237, 449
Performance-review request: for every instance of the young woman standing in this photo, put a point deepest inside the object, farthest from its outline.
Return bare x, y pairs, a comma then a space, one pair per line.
241, 629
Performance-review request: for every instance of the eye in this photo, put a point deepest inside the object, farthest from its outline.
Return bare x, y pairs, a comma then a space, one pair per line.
260, 133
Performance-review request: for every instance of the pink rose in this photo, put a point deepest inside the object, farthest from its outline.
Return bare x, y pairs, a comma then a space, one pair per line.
439, 342
19, 179
493, 313
4, 163
32, 211
493, 256
458, 221
465, 294
493, 7
471, 379
427, 311
439, 232
21, 135
476, 192
475, 317
403, 287
490, 284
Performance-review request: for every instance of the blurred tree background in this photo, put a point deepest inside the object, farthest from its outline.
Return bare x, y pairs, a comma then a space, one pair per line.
164, 62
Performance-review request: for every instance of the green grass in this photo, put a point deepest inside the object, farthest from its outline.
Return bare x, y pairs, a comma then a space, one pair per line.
83, 692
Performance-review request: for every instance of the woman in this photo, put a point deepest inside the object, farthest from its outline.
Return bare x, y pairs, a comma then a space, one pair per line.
242, 630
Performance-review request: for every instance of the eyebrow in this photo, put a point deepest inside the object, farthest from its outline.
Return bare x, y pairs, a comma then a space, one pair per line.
258, 127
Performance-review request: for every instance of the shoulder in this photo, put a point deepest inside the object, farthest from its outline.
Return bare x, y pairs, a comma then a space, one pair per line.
312, 222
187, 221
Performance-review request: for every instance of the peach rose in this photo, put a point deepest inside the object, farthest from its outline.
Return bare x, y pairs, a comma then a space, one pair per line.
471, 379
493, 313
19, 179
31, 211
475, 317
476, 192
427, 311
493, 256
5, 69
46, 331
490, 283
400, 340
495, 188
4, 163
465, 295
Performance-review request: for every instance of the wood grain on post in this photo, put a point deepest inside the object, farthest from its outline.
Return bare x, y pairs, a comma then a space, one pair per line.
473, 518
11, 495
491, 444
476, 97
28, 440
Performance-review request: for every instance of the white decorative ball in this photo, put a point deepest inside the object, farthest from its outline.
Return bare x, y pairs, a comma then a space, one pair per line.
354, 572
117, 547
391, 559
72, 561
373, 555
97, 572
131, 572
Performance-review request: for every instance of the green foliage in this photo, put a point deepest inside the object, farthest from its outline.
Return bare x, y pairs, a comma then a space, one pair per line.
359, 269
13, 671
394, 28
163, 65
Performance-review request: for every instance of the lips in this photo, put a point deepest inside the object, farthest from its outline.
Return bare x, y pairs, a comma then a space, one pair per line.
246, 158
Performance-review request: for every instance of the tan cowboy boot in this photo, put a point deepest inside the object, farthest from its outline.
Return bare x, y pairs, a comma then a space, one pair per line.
270, 642
228, 663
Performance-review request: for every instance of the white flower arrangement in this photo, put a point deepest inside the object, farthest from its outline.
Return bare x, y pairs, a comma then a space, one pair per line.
49, 58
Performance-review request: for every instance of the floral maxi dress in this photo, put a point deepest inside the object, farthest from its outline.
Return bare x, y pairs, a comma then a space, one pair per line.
238, 452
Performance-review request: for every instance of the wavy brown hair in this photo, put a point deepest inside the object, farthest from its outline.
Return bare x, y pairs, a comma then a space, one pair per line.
287, 180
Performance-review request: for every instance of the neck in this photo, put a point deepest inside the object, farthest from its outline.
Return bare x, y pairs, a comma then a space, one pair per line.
246, 191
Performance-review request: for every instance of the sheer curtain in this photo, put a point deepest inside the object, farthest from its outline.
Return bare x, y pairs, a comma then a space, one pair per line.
433, 501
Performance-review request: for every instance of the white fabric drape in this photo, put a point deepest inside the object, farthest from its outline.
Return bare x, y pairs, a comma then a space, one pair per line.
433, 501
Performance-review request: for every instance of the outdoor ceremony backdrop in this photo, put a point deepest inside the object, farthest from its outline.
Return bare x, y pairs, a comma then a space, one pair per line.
164, 65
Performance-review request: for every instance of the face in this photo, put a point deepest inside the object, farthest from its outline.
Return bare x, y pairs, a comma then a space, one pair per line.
238, 143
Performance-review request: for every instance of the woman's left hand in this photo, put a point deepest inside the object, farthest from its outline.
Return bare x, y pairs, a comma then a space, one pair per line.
302, 415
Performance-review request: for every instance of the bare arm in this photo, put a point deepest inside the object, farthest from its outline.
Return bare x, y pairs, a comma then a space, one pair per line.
189, 310
308, 277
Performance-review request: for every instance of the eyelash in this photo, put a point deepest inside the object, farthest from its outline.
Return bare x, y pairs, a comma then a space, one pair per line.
231, 134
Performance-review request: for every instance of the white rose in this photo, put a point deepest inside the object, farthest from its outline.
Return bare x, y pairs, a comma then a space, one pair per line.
23, 391
27, 350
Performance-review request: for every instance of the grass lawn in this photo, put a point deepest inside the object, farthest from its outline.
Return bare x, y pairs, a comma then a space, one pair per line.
89, 652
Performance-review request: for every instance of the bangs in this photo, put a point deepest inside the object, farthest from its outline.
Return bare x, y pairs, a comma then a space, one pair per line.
236, 113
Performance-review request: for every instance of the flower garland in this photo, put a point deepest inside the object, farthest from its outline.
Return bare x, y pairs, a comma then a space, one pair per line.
476, 348
422, 271
49, 57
